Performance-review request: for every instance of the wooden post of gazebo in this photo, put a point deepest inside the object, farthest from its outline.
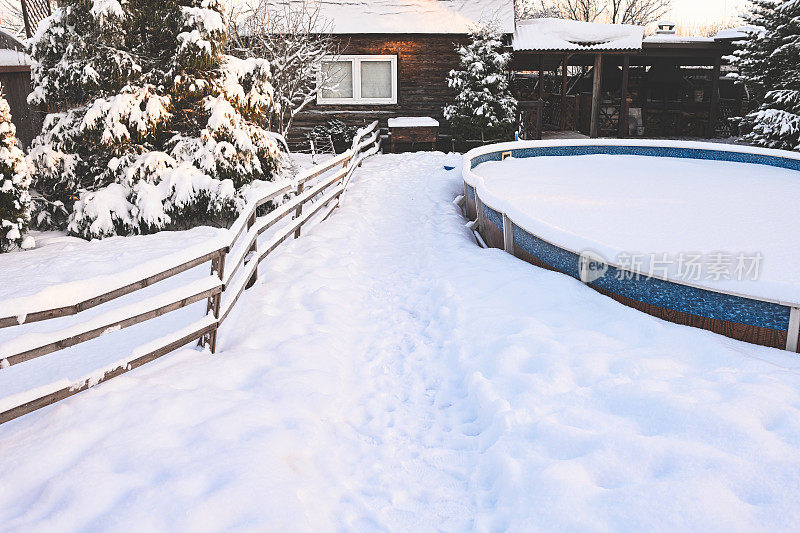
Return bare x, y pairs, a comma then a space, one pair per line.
714, 109
541, 76
623, 106
597, 86
564, 81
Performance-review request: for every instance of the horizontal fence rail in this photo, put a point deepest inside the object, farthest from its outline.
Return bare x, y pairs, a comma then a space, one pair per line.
316, 192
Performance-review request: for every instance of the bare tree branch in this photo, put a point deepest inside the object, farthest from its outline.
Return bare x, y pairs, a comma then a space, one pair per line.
584, 10
638, 12
536, 9
11, 17
295, 39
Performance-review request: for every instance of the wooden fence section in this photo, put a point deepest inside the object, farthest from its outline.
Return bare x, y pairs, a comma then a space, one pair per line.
222, 289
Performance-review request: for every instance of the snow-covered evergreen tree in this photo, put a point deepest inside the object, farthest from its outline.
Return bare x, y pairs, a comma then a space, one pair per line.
14, 182
151, 126
769, 64
484, 107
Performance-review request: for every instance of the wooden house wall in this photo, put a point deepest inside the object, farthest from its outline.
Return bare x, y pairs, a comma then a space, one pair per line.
16, 83
423, 63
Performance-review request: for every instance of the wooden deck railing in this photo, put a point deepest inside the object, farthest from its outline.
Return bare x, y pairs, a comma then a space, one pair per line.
314, 191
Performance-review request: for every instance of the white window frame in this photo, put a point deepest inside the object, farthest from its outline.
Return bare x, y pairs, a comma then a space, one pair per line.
355, 62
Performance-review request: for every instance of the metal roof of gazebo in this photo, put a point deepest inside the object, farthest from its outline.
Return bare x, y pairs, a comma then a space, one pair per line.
559, 35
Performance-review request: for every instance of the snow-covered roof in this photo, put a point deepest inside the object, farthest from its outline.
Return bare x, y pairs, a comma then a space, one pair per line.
11, 51
412, 16
10, 40
742, 32
13, 58
412, 122
547, 34
675, 39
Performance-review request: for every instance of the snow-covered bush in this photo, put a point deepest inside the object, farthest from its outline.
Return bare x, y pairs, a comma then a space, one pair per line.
14, 182
484, 107
334, 132
769, 65
150, 125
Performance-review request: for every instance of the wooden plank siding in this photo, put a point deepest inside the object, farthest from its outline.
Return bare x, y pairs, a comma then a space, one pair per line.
423, 63
16, 83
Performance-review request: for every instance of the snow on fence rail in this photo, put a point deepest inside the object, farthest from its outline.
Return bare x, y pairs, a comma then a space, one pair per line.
315, 192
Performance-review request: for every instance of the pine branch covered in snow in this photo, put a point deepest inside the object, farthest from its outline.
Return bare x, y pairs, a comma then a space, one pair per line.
484, 107
769, 65
151, 126
14, 182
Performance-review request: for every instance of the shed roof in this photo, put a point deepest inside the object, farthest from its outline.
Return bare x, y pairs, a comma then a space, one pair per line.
549, 34
739, 33
674, 39
12, 51
411, 16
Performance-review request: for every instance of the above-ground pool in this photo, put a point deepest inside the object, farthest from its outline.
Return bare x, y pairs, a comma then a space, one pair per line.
696, 233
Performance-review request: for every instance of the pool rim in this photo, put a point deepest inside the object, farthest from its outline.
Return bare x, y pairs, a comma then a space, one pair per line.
648, 301
475, 181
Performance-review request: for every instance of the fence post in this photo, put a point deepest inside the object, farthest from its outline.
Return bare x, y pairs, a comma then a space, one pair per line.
253, 249
346, 165
215, 302
299, 211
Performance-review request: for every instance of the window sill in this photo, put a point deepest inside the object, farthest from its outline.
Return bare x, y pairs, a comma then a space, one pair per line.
355, 102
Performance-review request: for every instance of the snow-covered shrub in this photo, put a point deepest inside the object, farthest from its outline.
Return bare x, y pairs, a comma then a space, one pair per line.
14, 182
150, 125
769, 65
484, 107
334, 132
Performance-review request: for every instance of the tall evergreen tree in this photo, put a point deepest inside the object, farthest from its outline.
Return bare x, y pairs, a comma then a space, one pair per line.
14, 181
150, 125
484, 107
769, 64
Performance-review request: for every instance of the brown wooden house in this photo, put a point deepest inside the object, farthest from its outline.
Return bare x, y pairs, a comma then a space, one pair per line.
395, 58
15, 80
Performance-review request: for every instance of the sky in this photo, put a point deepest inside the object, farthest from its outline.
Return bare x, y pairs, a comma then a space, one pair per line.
705, 10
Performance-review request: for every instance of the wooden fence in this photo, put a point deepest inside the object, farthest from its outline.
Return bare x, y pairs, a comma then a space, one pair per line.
234, 268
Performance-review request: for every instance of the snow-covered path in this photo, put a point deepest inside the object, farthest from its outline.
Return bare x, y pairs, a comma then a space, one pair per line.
387, 374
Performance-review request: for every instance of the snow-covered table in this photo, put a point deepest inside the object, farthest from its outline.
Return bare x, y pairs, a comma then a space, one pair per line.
414, 130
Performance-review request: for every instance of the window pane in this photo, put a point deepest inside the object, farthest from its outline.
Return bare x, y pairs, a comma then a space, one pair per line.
338, 79
376, 79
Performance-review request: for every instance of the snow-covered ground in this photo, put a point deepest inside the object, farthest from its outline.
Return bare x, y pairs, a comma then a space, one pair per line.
639, 208
385, 373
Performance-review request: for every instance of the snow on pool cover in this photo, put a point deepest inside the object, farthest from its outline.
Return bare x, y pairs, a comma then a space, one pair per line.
632, 210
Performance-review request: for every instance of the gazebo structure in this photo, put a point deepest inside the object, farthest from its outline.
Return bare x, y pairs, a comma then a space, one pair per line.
614, 81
